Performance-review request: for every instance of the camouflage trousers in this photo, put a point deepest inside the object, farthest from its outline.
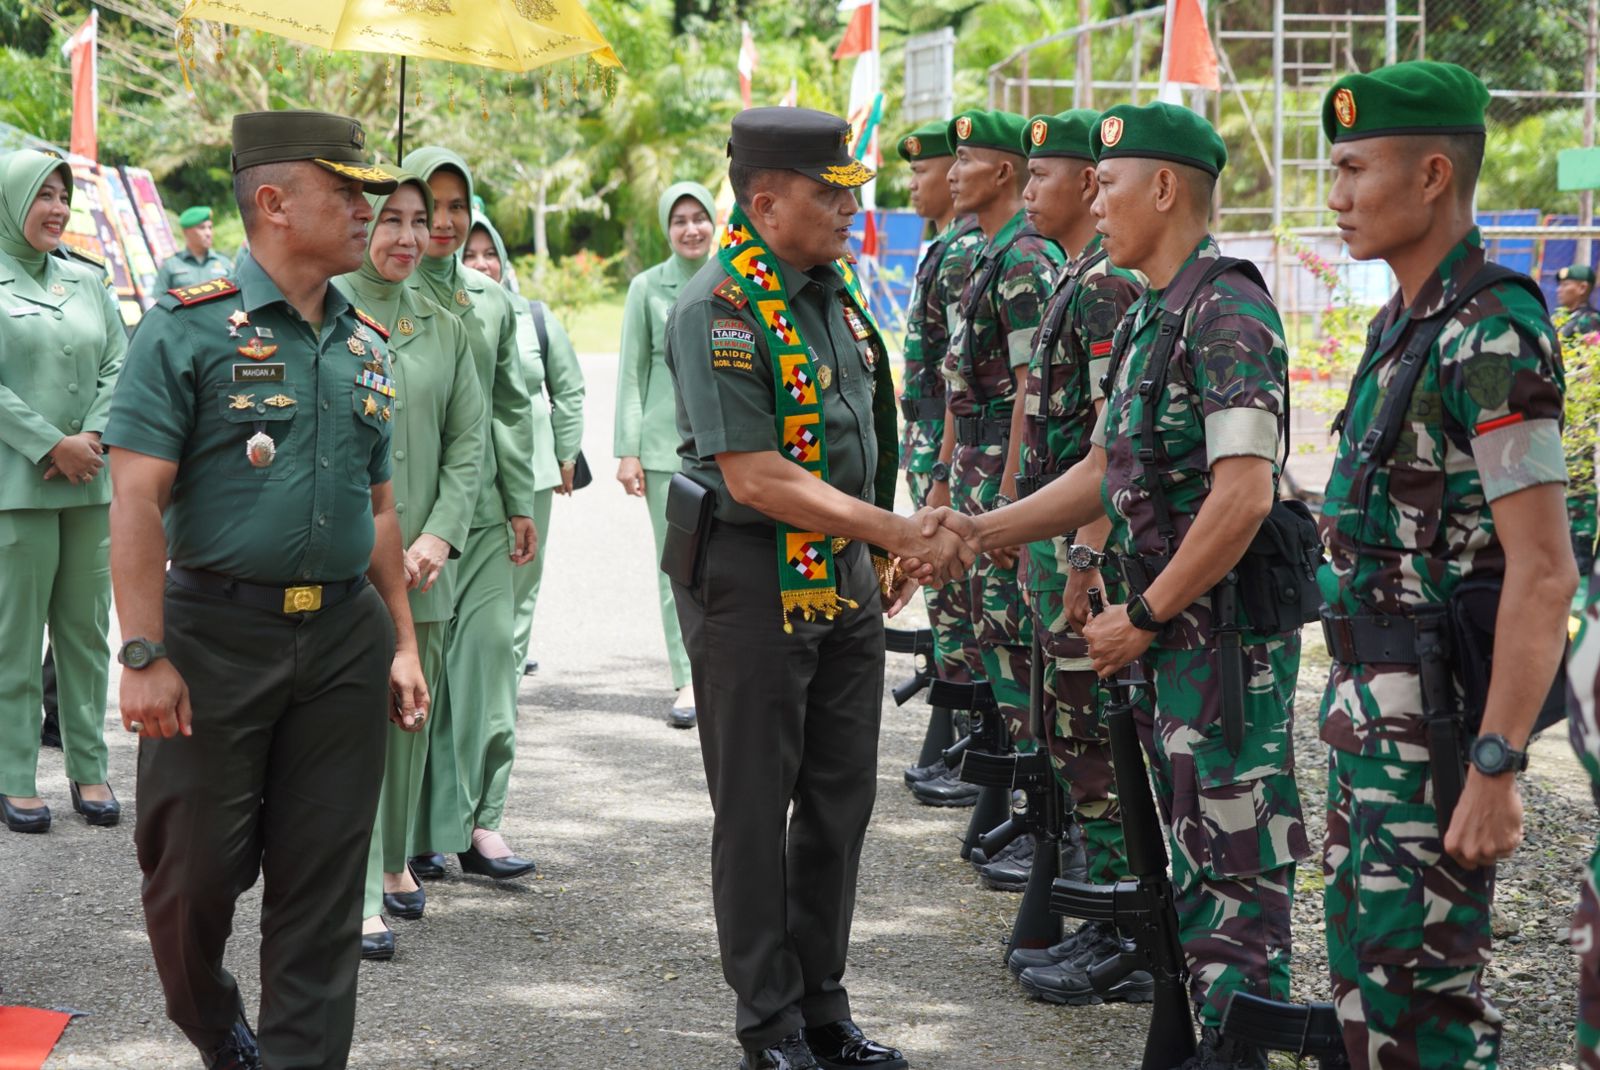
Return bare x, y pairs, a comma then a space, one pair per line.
1081, 756
1407, 928
955, 641
1586, 942
992, 599
1581, 515
1237, 829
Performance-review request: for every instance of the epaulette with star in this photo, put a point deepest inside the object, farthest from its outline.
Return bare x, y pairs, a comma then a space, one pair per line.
730, 291
203, 292
383, 332
72, 252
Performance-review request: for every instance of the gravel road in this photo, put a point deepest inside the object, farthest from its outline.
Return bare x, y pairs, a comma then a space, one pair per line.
608, 959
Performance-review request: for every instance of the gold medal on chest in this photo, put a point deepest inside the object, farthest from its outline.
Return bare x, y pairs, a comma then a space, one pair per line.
462, 299
239, 318
824, 376
405, 326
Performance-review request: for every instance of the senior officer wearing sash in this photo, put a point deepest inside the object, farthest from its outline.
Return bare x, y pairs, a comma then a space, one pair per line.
261, 679
197, 261
1469, 493
1185, 505
786, 414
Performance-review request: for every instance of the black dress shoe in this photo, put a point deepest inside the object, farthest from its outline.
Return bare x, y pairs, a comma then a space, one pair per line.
97, 813
681, 717
50, 731
378, 947
841, 1046
20, 820
238, 1052
501, 869
790, 1053
945, 791
530, 667
407, 905
427, 867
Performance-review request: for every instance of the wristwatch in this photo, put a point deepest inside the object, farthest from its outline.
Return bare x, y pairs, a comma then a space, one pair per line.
1493, 755
140, 653
1001, 501
940, 472
1084, 558
1140, 617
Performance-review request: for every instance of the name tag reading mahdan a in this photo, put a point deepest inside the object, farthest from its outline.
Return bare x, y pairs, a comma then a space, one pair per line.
258, 373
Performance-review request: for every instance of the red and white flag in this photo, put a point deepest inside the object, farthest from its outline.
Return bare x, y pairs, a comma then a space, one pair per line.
80, 50
1187, 55
861, 34
747, 63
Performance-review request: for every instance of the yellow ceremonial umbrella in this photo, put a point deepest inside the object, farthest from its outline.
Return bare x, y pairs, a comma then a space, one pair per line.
508, 35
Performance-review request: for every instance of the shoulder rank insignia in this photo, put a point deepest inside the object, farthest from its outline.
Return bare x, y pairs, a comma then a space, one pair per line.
383, 332
205, 291
72, 252
728, 289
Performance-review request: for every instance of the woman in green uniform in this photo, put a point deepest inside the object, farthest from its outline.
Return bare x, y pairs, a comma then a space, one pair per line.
61, 346
646, 423
557, 422
436, 450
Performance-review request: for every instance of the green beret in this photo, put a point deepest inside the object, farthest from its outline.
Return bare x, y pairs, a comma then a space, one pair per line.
1415, 97
1001, 130
193, 217
927, 141
1576, 273
1160, 132
1067, 134
333, 142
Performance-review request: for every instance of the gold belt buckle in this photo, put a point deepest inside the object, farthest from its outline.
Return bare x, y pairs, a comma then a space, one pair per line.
839, 543
302, 599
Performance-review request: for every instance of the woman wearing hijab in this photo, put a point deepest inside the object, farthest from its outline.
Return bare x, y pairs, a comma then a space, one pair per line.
647, 420
557, 423
475, 719
61, 346
436, 449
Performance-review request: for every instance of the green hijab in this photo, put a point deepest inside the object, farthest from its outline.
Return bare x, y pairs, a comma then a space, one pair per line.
22, 175
381, 295
684, 268
508, 278
442, 274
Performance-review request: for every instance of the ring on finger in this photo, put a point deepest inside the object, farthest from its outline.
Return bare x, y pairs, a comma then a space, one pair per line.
135, 727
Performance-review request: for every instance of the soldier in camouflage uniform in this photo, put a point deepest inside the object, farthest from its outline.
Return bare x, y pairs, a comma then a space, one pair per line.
1583, 673
943, 268
1236, 829
1070, 357
986, 370
1579, 319
1471, 490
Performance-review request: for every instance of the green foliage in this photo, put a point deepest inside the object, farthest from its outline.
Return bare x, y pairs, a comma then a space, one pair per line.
37, 99
1580, 357
571, 284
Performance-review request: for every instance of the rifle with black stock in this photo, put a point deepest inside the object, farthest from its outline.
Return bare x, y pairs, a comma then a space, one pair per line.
983, 757
1142, 907
919, 644
1303, 1029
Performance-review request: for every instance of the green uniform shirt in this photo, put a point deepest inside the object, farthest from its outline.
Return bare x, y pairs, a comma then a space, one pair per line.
192, 393
1579, 321
558, 418
647, 407
60, 353
937, 290
184, 269
726, 403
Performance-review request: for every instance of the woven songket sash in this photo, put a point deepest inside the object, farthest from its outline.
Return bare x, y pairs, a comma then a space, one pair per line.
807, 580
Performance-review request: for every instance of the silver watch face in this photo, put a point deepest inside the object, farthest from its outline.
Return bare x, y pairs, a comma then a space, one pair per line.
1080, 557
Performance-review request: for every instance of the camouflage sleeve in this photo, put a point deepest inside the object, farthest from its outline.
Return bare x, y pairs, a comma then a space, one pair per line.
1023, 289
1241, 372
1499, 380
724, 379
1102, 303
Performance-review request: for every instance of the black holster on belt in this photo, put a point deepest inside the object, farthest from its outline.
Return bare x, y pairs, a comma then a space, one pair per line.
915, 409
689, 509
1230, 659
1027, 485
1447, 733
982, 431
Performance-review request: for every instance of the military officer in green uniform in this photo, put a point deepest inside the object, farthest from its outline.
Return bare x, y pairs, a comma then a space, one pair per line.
437, 448
261, 668
786, 416
474, 742
61, 346
940, 274
1575, 294
1060, 406
197, 261
1449, 479
1184, 461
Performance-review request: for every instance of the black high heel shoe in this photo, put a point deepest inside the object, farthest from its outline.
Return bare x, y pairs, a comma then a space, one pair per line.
97, 813
501, 869
407, 905
36, 819
379, 946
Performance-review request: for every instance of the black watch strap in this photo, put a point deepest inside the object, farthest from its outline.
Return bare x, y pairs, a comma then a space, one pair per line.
1139, 615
